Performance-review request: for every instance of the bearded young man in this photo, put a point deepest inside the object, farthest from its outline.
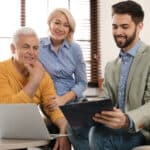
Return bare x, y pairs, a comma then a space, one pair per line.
127, 83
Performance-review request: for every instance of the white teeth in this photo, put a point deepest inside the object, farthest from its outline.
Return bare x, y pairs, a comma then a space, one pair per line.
29, 58
120, 38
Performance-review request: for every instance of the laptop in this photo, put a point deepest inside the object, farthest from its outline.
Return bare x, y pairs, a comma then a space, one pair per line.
23, 121
80, 114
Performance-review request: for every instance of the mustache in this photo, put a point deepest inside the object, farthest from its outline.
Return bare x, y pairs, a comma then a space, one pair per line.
119, 36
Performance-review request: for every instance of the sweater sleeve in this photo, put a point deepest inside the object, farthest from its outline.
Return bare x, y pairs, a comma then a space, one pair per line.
11, 90
8, 92
47, 90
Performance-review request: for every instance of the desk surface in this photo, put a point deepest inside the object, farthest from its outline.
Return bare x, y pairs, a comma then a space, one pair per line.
20, 144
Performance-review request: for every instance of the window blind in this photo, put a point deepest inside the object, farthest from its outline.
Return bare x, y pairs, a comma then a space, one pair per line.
95, 43
86, 15
87, 35
80, 9
10, 20
23, 13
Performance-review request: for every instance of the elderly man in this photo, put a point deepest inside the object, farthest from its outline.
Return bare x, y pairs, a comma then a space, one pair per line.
23, 80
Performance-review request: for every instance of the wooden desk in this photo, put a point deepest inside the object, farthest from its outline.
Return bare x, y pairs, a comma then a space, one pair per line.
7, 144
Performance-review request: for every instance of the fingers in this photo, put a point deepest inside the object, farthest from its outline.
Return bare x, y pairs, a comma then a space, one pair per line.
35, 70
28, 66
58, 99
56, 146
52, 97
113, 119
52, 105
62, 143
114, 123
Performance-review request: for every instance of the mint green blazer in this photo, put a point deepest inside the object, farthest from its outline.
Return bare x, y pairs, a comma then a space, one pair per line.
137, 100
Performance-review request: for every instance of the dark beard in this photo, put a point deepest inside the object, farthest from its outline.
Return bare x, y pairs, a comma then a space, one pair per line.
127, 42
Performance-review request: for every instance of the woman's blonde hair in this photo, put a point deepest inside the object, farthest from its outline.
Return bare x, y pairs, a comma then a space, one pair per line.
69, 17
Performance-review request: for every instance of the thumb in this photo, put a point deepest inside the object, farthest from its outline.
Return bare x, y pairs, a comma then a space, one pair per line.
52, 97
29, 67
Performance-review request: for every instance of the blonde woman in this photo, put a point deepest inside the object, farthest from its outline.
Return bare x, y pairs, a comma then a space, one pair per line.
62, 58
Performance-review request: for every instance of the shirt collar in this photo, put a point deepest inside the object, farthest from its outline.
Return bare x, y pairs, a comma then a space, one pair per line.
132, 52
47, 41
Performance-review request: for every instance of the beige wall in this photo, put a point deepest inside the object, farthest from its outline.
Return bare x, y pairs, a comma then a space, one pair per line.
108, 47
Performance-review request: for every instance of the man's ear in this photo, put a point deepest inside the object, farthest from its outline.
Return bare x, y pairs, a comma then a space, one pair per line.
13, 48
140, 25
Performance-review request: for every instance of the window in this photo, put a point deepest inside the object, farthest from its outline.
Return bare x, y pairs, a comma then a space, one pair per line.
10, 20
27, 13
109, 50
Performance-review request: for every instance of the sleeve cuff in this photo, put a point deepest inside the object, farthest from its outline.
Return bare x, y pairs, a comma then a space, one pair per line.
131, 127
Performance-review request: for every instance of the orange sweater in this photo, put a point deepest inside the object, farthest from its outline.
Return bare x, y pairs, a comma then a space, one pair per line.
12, 82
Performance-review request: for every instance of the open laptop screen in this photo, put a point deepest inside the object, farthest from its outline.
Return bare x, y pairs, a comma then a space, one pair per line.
22, 121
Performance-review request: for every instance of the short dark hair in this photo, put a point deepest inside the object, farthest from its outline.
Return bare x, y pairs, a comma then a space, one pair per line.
131, 8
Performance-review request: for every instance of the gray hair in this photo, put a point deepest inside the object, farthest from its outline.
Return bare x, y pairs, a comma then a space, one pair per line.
23, 31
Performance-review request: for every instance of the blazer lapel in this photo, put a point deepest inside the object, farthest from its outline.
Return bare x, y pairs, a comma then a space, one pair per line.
136, 60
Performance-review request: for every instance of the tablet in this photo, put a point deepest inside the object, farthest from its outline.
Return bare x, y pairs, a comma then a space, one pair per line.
80, 114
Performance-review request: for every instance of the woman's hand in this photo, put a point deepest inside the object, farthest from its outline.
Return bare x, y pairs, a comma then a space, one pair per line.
52, 104
59, 100
55, 102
